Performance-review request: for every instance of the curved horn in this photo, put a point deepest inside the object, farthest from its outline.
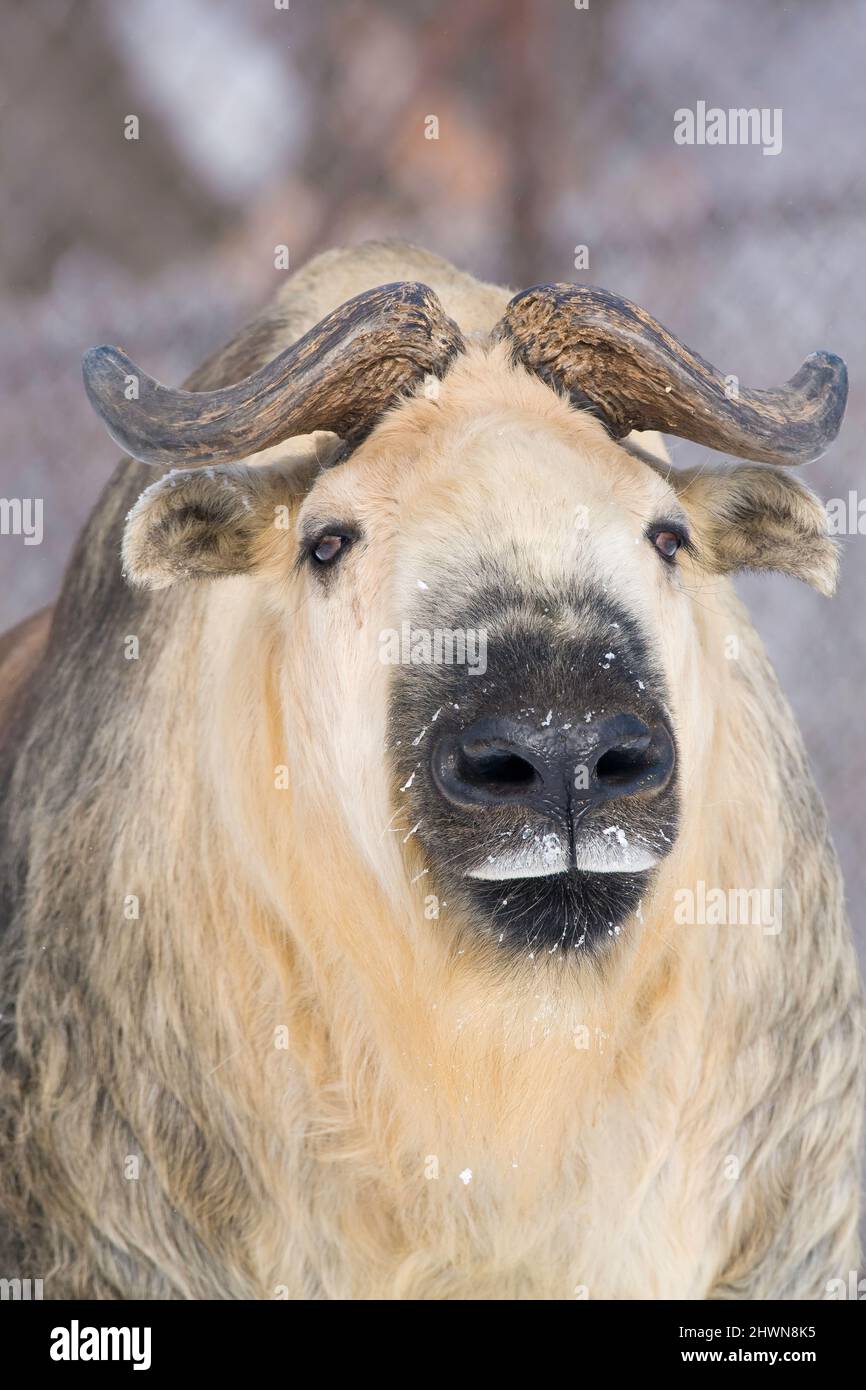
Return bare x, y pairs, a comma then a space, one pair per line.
611, 355
340, 376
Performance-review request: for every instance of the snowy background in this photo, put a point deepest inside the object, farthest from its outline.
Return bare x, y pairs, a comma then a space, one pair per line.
305, 126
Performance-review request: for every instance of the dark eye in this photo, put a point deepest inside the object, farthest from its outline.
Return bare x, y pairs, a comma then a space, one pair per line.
668, 543
327, 548
667, 539
322, 546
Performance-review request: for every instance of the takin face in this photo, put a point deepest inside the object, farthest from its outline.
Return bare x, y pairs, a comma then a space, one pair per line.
488, 621
486, 641
529, 571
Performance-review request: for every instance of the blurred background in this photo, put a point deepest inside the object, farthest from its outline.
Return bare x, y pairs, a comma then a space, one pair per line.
267, 123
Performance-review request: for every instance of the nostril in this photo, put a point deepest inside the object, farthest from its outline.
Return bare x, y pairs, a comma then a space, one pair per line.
488, 765
497, 769
499, 762
625, 761
638, 763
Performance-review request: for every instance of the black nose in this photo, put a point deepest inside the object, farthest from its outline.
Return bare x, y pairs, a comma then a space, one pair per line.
503, 761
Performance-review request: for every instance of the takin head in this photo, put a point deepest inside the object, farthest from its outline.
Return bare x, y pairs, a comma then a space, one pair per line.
487, 596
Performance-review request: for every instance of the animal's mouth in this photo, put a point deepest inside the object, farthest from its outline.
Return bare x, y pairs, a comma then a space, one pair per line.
607, 850
559, 874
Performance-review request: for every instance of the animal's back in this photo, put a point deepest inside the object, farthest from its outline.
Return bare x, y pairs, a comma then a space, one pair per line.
335, 276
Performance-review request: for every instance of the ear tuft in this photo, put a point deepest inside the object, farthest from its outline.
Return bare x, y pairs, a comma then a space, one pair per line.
753, 518
200, 523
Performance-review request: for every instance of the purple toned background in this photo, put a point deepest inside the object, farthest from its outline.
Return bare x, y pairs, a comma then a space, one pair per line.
305, 127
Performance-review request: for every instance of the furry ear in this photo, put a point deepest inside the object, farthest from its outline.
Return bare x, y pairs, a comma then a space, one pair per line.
201, 523
753, 518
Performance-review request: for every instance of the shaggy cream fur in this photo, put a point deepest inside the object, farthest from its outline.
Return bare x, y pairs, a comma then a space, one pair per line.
329, 1091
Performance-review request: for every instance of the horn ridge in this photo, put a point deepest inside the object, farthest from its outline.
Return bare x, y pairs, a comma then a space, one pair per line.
637, 375
340, 376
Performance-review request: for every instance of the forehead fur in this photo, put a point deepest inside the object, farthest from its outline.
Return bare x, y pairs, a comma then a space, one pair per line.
484, 399
482, 382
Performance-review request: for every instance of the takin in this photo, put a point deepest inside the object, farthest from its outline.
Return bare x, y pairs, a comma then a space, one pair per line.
367, 801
